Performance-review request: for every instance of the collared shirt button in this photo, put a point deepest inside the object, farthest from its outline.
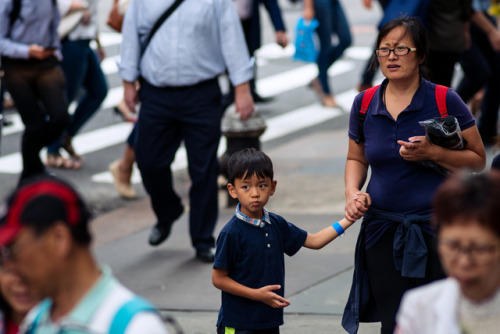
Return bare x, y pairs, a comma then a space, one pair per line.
268, 245
267, 234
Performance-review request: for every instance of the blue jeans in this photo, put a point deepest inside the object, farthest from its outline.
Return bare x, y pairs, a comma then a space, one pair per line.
82, 70
332, 20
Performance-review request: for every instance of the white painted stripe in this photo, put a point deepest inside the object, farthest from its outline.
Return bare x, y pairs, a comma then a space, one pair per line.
277, 127
269, 86
109, 65
85, 143
298, 77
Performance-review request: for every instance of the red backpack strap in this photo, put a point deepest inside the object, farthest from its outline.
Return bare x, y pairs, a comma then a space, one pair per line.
365, 103
441, 100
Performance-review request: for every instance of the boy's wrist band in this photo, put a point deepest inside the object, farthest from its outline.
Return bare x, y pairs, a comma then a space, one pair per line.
338, 228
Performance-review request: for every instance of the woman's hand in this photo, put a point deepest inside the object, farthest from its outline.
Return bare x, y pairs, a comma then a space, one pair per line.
417, 148
357, 203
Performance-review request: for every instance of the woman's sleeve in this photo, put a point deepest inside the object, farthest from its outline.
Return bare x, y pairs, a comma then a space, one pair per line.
456, 107
354, 117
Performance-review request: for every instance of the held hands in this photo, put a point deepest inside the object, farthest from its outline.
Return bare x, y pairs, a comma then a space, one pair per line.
357, 203
267, 296
39, 52
417, 148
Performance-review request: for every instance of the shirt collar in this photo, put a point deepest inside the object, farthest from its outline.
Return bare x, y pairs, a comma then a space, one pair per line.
253, 221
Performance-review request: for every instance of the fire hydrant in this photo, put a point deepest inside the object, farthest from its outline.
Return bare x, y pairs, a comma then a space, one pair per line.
239, 135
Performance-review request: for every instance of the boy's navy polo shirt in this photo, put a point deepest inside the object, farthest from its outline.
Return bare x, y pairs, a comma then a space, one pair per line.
397, 185
253, 256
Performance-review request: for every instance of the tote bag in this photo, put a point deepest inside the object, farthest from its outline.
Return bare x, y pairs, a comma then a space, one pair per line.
305, 46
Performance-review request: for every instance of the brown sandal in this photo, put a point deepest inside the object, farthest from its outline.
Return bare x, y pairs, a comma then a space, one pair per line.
76, 159
57, 161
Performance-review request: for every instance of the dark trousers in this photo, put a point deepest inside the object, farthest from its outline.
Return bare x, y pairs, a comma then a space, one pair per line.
81, 69
38, 90
442, 66
481, 66
169, 116
387, 284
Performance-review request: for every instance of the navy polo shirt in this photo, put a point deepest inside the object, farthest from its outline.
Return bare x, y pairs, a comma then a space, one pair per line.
397, 185
253, 256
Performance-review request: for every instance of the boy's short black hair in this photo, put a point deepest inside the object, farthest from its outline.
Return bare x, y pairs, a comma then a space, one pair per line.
248, 162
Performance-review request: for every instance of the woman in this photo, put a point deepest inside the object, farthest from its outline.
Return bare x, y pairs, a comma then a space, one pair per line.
394, 251
33, 76
332, 20
15, 302
82, 69
466, 216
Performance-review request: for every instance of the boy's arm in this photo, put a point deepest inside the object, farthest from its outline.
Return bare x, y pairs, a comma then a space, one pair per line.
325, 236
222, 281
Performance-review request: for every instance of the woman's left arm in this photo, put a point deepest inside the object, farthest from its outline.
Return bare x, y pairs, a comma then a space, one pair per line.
472, 156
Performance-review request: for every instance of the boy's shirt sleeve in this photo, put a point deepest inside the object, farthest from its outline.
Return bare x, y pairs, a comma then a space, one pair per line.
225, 252
294, 237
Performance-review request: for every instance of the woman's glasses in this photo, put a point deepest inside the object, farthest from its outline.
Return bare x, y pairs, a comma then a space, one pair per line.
480, 254
398, 51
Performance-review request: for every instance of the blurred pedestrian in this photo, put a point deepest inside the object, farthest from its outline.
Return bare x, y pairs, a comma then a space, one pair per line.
480, 63
448, 21
45, 240
121, 169
82, 69
249, 13
370, 67
332, 21
466, 210
33, 77
15, 302
181, 102
394, 251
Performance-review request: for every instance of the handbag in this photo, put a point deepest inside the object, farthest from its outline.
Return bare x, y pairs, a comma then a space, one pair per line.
305, 47
399, 8
68, 23
115, 18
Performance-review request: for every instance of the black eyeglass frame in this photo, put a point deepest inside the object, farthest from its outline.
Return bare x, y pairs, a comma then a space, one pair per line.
395, 50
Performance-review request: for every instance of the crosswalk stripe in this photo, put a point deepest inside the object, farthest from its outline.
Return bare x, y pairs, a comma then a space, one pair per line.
273, 85
277, 127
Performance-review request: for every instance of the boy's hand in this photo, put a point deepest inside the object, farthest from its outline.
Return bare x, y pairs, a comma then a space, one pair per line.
267, 296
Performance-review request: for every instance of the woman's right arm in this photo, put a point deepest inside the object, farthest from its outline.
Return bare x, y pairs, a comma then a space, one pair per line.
356, 170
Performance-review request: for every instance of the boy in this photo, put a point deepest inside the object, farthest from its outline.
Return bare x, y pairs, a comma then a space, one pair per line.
249, 264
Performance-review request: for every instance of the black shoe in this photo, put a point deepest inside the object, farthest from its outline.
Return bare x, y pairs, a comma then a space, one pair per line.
260, 99
160, 233
206, 255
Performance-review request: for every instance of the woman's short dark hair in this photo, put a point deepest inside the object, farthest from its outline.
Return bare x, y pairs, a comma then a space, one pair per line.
249, 162
467, 197
417, 33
